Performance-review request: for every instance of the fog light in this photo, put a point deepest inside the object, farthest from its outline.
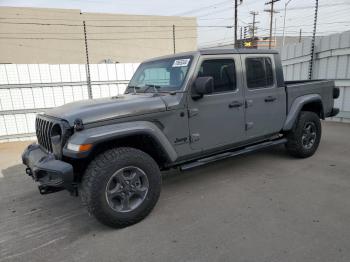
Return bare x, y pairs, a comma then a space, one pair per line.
79, 148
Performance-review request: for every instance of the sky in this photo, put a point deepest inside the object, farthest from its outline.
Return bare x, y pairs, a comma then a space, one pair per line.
333, 15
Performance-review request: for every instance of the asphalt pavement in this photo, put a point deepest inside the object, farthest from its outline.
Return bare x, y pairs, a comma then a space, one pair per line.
263, 206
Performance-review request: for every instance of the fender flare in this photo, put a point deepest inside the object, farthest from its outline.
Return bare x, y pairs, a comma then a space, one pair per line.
296, 107
105, 133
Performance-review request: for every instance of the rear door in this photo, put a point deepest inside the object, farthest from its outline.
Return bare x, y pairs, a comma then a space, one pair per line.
217, 119
265, 102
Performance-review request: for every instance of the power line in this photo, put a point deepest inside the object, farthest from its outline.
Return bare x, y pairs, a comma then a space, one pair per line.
168, 18
310, 7
225, 10
94, 39
33, 23
75, 50
196, 10
329, 23
289, 31
215, 12
218, 18
217, 43
303, 25
219, 11
338, 22
168, 28
231, 42
97, 33
330, 16
121, 26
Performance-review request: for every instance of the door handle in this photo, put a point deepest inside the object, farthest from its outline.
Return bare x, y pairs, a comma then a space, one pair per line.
235, 104
270, 99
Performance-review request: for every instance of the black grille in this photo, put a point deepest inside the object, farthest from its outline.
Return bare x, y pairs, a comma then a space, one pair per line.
43, 130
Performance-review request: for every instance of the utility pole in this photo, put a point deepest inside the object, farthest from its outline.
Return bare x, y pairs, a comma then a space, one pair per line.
88, 78
236, 21
284, 20
271, 11
174, 39
313, 41
254, 14
300, 35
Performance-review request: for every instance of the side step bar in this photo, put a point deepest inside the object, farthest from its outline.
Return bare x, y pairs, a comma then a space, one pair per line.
221, 156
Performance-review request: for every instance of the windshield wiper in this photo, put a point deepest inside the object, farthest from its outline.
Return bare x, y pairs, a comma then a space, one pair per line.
156, 87
134, 87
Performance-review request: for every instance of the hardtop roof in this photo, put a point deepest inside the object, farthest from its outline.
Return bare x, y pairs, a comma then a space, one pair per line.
217, 51
212, 51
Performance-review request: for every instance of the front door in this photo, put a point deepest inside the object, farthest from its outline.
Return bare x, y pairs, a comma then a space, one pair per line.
265, 101
217, 119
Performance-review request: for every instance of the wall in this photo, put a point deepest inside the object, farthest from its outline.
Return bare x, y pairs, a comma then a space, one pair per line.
26, 39
332, 61
28, 89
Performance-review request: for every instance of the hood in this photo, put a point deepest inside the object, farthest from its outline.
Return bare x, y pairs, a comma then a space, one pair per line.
93, 110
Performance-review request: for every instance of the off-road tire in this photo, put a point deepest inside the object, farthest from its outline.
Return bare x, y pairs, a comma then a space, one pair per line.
97, 175
295, 145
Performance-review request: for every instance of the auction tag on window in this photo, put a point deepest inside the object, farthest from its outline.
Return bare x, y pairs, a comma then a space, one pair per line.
181, 62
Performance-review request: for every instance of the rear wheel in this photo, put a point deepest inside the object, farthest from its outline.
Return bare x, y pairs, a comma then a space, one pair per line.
304, 138
121, 186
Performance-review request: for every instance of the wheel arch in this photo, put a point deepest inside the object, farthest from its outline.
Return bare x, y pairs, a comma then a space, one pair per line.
143, 135
142, 141
312, 103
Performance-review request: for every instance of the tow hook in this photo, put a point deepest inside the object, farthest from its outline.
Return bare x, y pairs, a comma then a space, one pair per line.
44, 190
29, 172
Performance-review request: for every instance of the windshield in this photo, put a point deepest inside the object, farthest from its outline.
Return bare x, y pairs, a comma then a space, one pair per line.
164, 75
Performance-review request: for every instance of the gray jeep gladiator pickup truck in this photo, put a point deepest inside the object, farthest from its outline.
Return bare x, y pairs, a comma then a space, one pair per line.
183, 111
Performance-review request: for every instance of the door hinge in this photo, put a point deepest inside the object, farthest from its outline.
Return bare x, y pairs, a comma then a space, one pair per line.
193, 112
194, 137
249, 125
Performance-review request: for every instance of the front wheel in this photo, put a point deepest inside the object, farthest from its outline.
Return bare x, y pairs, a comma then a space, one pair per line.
304, 138
121, 186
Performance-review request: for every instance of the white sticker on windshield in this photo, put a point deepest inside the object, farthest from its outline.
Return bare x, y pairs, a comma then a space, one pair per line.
181, 62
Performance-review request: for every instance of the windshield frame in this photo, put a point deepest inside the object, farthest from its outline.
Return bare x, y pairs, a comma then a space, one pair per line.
154, 88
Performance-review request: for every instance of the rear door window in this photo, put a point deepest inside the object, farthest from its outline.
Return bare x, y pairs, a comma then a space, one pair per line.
259, 72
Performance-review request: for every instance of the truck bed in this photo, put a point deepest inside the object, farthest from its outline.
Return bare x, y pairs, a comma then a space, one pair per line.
324, 88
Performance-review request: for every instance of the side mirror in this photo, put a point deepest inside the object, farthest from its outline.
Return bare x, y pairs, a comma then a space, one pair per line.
202, 86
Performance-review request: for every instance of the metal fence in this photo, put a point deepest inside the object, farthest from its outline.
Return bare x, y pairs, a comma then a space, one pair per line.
332, 61
26, 90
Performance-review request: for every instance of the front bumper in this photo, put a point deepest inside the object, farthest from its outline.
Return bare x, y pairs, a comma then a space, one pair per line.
51, 174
